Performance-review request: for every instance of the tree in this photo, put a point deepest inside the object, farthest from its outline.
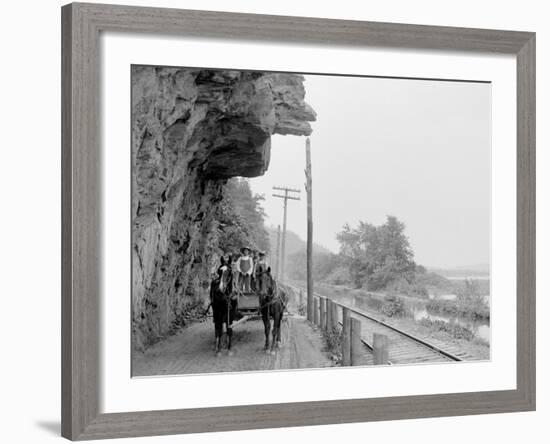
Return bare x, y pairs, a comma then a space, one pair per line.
377, 256
355, 246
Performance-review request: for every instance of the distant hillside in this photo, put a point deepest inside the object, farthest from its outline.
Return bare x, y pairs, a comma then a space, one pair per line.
294, 243
477, 270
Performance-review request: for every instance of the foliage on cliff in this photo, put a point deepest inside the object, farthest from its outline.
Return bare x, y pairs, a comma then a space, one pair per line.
240, 219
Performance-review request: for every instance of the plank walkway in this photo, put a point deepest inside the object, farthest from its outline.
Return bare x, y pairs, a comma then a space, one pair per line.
191, 351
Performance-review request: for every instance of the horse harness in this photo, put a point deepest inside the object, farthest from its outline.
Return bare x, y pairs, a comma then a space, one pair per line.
271, 301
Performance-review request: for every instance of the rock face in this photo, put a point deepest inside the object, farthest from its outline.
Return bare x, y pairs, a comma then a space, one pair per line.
191, 131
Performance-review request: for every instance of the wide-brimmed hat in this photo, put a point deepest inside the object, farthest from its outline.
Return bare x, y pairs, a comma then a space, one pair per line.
261, 253
245, 248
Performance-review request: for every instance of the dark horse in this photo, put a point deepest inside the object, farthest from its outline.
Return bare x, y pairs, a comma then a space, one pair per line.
272, 305
224, 306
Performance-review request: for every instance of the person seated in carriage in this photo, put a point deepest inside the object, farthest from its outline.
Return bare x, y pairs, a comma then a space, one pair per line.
253, 275
260, 267
245, 268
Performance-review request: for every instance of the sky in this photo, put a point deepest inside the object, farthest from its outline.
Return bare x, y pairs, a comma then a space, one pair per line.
415, 149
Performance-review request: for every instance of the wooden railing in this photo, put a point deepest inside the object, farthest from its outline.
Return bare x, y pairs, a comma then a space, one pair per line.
329, 315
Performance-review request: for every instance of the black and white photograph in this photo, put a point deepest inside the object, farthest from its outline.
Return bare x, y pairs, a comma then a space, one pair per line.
285, 221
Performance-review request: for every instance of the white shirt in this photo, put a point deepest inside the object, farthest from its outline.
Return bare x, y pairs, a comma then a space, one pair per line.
244, 259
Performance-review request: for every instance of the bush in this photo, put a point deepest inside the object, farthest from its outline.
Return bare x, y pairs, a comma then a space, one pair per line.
470, 296
391, 273
333, 340
419, 291
469, 303
435, 283
193, 311
442, 306
458, 308
339, 276
393, 306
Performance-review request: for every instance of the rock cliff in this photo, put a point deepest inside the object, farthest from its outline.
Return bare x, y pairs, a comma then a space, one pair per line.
191, 131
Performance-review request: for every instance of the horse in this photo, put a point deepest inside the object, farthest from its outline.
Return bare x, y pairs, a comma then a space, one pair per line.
272, 305
224, 306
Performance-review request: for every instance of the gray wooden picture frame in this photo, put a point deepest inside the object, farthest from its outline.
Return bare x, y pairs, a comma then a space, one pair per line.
81, 174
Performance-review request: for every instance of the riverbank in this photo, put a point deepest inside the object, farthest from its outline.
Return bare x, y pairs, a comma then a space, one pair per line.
410, 314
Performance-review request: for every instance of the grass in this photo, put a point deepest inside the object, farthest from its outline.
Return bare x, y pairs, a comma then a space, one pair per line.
455, 330
333, 339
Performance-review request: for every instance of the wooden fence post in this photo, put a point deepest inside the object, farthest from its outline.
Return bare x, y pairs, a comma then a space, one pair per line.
329, 314
323, 309
334, 317
356, 351
316, 311
380, 349
346, 337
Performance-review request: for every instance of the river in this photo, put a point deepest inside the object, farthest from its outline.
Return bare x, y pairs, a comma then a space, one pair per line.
480, 328
414, 308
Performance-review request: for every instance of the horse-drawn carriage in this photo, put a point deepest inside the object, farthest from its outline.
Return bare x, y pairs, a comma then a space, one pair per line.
228, 301
249, 302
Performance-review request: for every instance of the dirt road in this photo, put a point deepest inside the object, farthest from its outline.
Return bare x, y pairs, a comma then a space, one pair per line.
192, 350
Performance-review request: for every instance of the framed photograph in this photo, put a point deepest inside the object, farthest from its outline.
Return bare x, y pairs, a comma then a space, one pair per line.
278, 221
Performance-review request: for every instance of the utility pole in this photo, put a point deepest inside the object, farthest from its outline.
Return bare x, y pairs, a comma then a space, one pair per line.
286, 197
278, 253
309, 252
